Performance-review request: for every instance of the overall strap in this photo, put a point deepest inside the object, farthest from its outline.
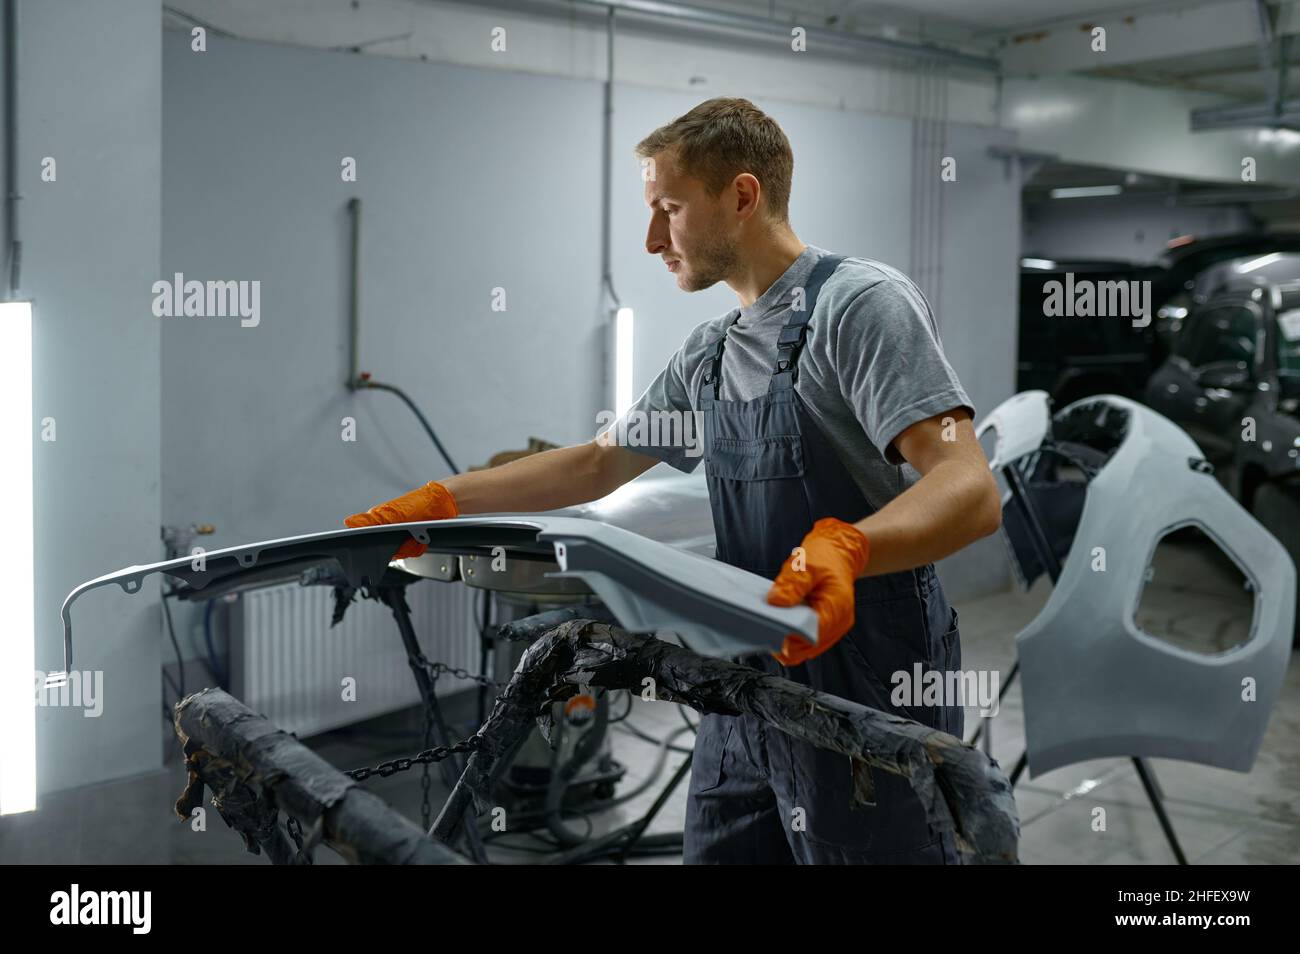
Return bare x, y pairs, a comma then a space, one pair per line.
791, 340
713, 370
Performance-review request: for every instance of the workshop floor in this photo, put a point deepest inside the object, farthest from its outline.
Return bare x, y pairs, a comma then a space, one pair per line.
1220, 817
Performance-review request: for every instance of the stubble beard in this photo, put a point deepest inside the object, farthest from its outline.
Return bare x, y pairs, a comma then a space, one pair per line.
711, 261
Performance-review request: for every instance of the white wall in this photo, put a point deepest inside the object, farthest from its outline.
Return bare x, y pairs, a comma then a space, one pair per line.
977, 313
89, 98
470, 180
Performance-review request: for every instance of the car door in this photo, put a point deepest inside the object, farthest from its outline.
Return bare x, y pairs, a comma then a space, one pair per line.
1172, 390
1207, 384
1279, 450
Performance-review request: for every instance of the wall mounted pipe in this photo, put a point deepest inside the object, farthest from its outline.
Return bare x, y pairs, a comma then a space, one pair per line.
12, 195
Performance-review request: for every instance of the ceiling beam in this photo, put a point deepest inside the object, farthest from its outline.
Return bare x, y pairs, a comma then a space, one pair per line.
693, 16
1139, 37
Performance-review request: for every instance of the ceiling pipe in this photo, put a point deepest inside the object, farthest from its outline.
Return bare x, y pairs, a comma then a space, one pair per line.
702, 17
1276, 112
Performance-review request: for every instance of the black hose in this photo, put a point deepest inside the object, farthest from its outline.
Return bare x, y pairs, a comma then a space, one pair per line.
380, 386
647, 737
356, 379
171, 630
223, 678
588, 748
614, 720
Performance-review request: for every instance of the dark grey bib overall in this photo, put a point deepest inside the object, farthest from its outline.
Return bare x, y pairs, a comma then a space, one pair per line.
771, 475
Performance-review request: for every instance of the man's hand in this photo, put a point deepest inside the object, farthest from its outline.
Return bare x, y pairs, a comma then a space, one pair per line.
821, 572
433, 501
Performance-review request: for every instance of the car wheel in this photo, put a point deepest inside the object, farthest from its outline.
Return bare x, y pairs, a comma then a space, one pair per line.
1279, 511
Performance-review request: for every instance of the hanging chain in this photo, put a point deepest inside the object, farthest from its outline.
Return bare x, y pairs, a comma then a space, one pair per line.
429, 755
425, 758
435, 669
295, 832
393, 766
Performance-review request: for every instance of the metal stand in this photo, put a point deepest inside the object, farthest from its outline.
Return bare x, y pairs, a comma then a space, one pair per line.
256, 772
1043, 549
960, 788
436, 731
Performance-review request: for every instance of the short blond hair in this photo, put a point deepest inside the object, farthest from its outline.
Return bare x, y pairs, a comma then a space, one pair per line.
721, 138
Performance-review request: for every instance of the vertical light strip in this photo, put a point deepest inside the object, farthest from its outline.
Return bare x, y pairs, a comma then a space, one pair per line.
622, 361
17, 557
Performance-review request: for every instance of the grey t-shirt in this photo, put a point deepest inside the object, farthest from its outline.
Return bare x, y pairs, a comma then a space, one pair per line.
872, 366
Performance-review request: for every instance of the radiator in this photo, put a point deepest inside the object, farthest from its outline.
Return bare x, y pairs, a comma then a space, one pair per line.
289, 665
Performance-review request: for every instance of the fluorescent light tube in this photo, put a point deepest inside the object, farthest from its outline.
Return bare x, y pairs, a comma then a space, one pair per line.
1260, 262
622, 361
17, 556
1083, 192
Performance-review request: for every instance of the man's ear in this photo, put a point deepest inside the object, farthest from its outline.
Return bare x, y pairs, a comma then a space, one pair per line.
749, 192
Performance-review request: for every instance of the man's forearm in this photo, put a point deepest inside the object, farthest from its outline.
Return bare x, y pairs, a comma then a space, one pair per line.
555, 478
949, 508
564, 477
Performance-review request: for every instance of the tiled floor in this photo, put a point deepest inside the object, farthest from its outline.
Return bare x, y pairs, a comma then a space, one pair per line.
1220, 816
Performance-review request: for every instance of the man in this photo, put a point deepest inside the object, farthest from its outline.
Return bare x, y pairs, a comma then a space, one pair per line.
841, 462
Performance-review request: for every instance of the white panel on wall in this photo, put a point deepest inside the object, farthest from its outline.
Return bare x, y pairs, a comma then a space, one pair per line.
89, 99
471, 181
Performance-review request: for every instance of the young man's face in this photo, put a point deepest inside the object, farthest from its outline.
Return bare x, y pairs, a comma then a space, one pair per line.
689, 229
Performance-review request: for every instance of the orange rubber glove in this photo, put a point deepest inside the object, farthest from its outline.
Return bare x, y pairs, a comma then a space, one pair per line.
433, 501
834, 555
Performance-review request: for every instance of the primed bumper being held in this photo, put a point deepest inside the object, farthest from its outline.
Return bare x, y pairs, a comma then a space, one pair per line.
648, 585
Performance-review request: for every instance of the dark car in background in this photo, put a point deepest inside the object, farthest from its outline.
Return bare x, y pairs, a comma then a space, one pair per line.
1072, 358
1232, 381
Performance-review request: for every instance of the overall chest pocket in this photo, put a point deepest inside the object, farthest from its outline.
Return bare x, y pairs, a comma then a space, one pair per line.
757, 458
